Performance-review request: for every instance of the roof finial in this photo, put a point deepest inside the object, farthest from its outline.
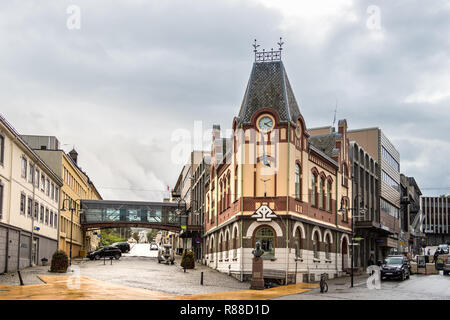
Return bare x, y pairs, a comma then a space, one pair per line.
255, 46
280, 44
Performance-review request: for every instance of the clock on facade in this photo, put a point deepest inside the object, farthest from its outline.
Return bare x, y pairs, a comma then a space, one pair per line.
265, 123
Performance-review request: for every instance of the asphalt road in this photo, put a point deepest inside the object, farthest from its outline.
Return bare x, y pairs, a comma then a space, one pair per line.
141, 250
418, 287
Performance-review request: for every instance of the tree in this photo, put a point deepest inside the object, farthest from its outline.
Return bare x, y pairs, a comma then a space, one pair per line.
109, 236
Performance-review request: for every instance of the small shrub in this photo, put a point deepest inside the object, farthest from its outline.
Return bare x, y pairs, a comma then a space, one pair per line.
60, 262
188, 259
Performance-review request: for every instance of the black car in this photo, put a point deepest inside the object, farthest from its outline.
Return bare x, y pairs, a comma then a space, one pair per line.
123, 246
107, 252
396, 267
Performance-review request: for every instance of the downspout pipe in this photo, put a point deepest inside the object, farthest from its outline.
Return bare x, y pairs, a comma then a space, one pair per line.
242, 201
287, 200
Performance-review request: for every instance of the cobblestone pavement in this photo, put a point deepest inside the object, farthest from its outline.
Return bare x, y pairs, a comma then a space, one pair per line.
141, 272
418, 287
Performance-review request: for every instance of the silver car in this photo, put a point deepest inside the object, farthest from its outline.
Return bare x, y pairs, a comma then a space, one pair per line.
166, 254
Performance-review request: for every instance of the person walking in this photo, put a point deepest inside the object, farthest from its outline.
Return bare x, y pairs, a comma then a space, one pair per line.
429, 252
435, 257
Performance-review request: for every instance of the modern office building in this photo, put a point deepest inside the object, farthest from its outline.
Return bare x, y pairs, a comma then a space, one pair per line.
412, 239
29, 203
271, 184
386, 220
366, 201
77, 185
436, 211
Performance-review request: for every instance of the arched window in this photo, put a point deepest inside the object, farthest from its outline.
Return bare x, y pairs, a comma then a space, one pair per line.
313, 190
220, 247
235, 243
266, 237
344, 175
236, 194
227, 244
229, 190
322, 193
316, 245
297, 182
327, 246
329, 196
298, 243
220, 199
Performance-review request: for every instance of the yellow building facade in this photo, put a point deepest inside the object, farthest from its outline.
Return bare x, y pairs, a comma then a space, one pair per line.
76, 186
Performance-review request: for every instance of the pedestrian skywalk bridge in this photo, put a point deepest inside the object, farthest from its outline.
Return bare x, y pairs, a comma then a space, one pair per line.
114, 214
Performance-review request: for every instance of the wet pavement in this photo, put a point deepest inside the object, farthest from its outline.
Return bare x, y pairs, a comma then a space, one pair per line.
418, 287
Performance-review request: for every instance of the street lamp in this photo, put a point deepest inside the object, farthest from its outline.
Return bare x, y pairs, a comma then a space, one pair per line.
361, 211
72, 207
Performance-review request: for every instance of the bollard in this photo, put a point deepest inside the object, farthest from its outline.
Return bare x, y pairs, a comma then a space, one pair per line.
201, 278
184, 268
111, 258
20, 278
104, 260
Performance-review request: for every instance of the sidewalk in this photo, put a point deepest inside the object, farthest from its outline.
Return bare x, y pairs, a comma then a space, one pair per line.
85, 288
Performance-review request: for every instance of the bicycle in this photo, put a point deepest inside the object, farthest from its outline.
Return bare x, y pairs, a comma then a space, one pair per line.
323, 284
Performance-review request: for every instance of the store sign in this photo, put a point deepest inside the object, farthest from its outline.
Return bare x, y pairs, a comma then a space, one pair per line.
264, 214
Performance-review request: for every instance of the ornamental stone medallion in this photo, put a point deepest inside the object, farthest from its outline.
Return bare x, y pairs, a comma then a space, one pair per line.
264, 214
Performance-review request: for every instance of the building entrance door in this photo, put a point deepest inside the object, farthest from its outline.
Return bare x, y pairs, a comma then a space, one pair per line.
34, 252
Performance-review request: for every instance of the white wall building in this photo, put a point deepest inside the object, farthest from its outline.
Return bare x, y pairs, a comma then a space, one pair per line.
29, 198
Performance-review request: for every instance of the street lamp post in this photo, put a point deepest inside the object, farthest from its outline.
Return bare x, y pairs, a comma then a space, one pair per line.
361, 210
72, 208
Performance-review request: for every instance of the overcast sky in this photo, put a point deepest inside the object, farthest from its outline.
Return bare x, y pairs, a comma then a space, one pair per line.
137, 71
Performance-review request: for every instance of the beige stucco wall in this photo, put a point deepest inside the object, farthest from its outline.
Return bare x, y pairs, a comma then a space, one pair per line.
15, 185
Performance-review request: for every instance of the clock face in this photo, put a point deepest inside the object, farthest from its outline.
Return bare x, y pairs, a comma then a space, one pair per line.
265, 123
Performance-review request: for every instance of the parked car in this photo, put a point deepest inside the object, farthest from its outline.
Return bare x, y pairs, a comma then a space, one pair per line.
166, 254
446, 266
123, 246
153, 246
396, 267
443, 249
107, 252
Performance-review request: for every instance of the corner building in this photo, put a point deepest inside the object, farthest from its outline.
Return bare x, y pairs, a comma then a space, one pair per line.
268, 183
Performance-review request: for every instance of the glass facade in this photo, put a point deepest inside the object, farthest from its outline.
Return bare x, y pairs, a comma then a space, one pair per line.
106, 212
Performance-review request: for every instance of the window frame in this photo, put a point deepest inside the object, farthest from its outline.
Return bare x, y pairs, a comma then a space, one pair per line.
267, 254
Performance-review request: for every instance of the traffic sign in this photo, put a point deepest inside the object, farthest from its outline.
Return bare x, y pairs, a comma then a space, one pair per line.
198, 240
183, 227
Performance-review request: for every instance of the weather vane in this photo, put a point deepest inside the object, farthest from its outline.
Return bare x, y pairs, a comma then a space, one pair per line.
280, 44
255, 46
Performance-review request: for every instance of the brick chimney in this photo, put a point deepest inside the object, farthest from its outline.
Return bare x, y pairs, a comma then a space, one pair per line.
74, 155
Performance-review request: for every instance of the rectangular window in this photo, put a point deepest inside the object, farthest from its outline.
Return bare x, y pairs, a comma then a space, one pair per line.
23, 200
36, 210
389, 208
41, 218
390, 159
24, 167
46, 215
30, 207
43, 182
2, 149
48, 188
36, 177
57, 194
51, 218
387, 178
1, 199
56, 221
52, 189
31, 173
